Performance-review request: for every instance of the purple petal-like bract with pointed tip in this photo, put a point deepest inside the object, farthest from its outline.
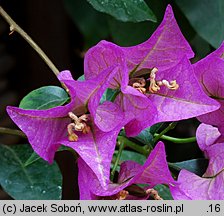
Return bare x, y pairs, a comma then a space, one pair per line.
210, 186
166, 50
163, 49
154, 171
47, 129
209, 72
108, 65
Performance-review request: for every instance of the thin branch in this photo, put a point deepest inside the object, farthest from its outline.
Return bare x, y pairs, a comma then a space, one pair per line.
121, 147
170, 127
144, 150
15, 28
177, 140
12, 132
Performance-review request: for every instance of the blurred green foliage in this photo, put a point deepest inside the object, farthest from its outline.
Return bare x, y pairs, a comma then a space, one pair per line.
125, 10
206, 17
200, 21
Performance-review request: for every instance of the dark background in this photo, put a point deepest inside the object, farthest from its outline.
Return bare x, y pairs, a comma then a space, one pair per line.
22, 70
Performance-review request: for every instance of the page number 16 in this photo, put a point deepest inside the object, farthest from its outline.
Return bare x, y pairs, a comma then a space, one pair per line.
214, 207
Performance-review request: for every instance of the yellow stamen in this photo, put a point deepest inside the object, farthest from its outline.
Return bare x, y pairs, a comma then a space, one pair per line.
122, 195
84, 118
139, 84
86, 129
154, 194
71, 135
79, 124
73, 116
155, 85
172, 85
153, 73
140, 89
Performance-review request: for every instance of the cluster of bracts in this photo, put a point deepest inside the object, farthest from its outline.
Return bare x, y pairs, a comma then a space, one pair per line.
152, 82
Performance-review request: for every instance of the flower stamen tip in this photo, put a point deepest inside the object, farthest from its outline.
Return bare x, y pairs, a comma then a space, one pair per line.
154, 193
138, 84
156, 84
122, 195
73, 137
79, 124
172, 85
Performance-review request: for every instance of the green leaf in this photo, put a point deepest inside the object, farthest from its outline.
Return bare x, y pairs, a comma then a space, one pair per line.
38, 181
197, 166
91, 23
145, 137
64, 148
32, 159
134, 156
154, 128
108, 95
130, 33
164, 192
81, 78
104, 97
128, 155
206, 17
34, 156
44, 98
125, 10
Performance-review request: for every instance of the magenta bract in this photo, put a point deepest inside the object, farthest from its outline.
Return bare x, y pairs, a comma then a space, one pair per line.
154, 171
210, 185
209, 72
47, 129
168, 51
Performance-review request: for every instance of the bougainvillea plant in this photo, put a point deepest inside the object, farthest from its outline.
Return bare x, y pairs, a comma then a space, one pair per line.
209, 186
128, 98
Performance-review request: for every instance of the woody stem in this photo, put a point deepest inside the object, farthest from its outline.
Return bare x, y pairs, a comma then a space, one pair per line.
16, 28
